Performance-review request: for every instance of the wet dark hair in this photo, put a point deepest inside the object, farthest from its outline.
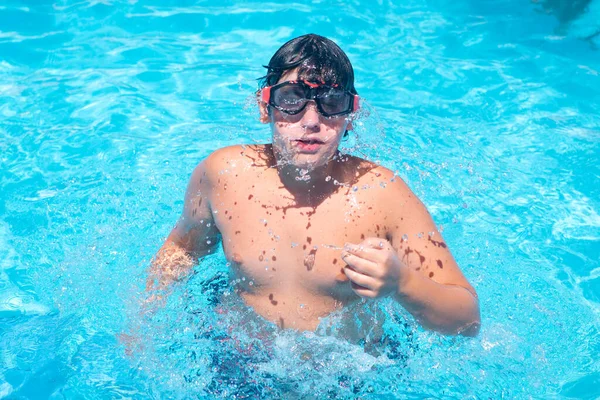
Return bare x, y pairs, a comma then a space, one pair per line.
318, 60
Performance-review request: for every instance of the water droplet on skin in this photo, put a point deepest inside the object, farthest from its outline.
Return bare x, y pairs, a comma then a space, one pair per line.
294, 245
382, 184
405, 238
251, 283
355, 188
208, 242
420, 235
304, 175
208, 225
328, 179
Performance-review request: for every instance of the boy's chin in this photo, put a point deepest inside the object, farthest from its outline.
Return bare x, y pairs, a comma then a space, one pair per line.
309, 162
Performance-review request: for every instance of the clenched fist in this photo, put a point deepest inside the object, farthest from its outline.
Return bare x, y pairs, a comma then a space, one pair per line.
374, 268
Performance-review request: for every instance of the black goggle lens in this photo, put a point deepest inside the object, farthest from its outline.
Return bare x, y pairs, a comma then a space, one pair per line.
289, 98
335, 101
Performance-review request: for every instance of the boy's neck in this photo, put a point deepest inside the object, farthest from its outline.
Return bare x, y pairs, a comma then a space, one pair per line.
310, 186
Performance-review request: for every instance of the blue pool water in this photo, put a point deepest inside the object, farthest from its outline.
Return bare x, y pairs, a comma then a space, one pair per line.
489, 110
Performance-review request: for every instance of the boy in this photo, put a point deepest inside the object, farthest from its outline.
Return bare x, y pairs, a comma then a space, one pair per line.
309, 228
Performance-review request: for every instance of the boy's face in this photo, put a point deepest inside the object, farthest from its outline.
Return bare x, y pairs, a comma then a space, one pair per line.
306, 140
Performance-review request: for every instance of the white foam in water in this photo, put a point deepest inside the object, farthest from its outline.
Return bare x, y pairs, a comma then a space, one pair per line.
13, 301
5, 389
579, 219
18, 302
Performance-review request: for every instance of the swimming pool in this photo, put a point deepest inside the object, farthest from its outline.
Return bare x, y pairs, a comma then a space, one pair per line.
489, 110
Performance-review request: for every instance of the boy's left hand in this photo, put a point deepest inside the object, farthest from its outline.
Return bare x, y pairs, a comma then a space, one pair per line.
374, 268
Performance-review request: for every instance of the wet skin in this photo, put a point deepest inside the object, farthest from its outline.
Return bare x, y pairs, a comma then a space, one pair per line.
284, 213
289, 252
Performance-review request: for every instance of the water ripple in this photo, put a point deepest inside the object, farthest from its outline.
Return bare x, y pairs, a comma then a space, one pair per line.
489, 112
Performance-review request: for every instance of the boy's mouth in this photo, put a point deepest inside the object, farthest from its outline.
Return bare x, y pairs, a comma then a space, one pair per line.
308, 145
310, 141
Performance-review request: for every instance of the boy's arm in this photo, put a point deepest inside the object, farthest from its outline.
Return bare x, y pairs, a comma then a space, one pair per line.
195, 234
434, 289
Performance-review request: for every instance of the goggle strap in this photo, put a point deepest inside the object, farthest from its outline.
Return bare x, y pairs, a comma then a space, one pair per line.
266, 94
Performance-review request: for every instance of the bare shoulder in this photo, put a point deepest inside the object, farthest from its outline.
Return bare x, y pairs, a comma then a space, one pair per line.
384, 186
387, 193
222, 158
255, 155
222, 161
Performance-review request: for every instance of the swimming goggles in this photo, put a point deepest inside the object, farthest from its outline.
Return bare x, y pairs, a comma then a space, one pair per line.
291, 97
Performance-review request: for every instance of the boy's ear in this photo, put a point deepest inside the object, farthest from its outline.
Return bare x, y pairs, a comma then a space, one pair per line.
263, 109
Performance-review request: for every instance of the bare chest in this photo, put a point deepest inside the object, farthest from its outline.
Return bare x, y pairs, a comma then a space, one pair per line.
275, 246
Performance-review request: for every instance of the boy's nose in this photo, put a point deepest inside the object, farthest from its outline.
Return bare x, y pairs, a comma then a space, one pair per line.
310, 117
